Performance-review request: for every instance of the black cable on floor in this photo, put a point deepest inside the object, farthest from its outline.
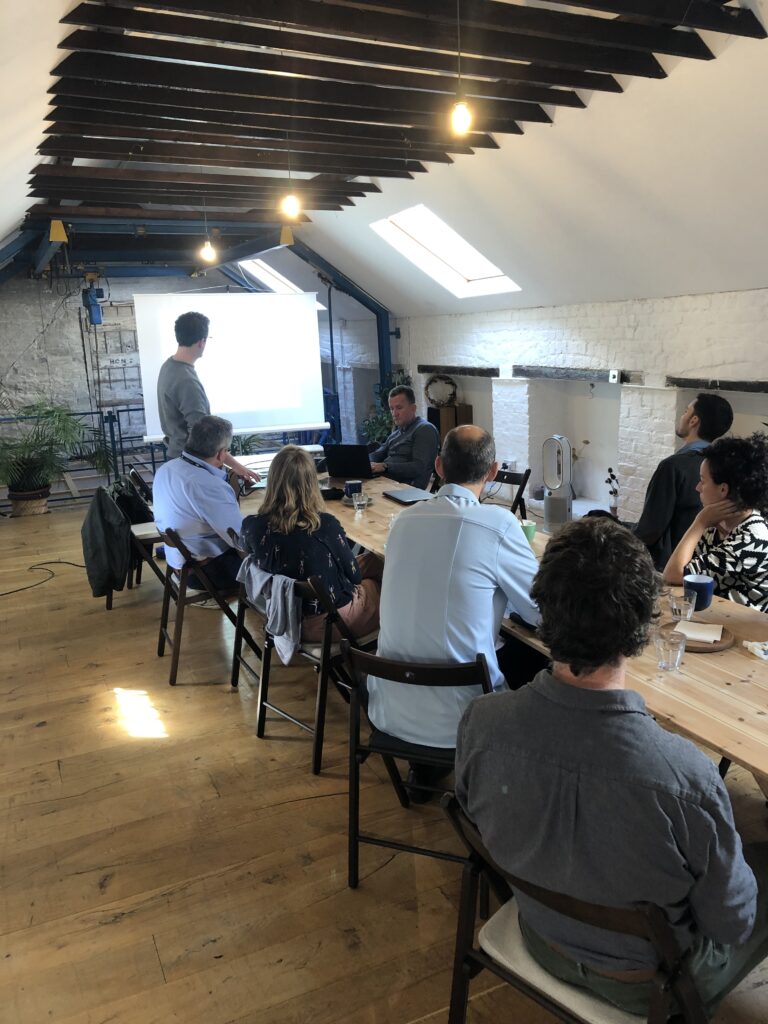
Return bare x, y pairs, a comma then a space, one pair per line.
41, 567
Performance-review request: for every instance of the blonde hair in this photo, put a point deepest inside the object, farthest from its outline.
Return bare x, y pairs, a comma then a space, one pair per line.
292, 499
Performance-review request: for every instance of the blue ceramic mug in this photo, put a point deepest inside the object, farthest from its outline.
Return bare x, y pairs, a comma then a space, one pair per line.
353, 487
703, 587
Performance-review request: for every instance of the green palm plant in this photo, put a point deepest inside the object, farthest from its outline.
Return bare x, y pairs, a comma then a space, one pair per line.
38, 448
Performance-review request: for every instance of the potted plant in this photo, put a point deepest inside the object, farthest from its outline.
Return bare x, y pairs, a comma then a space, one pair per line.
613, 491
36, 452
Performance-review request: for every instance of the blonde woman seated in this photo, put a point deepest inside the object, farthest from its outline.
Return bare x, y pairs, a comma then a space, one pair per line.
294, 536
728, 539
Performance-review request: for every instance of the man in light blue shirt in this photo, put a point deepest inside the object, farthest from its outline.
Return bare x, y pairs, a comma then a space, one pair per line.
452, 567
191, 495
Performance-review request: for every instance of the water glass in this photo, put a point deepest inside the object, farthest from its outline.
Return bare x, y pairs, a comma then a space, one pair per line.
682, 605
359, 501
670, 648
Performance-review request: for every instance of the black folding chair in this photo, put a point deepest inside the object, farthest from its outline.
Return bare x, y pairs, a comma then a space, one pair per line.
390, 748
141, 485
519, 480
501, 949
326, 658
176, 589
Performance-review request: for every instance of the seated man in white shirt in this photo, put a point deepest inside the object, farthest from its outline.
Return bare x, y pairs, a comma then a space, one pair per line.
191, 496
452, 567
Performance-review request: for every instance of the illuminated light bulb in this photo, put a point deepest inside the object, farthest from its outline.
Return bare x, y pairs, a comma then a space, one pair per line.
207, 252
461, 117
290, 205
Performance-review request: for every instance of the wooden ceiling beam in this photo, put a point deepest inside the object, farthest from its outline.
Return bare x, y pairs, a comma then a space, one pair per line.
305, 91
65, 129
365, 50
326, 18
220, 156
191, 176
322, 72
175, 119
52, 210
239, 195
165, 201
701, 14
325, 113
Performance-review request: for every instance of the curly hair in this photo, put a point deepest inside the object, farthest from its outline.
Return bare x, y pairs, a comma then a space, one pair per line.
292, 498
596, 590
742, 463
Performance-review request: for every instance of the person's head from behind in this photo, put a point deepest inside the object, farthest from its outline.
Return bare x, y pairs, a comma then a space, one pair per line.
191, 330
708, 417
468, 456
596, 588
402, 405
210, 439
736, 469
292, 499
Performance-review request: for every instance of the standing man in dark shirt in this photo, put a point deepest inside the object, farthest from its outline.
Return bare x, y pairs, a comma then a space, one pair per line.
575, 788
181, 398
672, 501
408, 454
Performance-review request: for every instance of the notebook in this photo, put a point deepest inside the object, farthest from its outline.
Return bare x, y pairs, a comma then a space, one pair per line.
408, 495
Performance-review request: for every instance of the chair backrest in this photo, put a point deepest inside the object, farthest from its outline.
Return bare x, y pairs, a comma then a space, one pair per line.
235, 541
431, 673
519, 480
144, 489
645, 921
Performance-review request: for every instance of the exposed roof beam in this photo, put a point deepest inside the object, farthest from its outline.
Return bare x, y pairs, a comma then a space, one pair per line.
254, 205
69, 214
701, 14
363, 50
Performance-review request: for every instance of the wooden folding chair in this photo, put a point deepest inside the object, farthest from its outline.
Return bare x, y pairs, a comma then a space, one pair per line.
390, 749
502, 951
519, 480
176, 589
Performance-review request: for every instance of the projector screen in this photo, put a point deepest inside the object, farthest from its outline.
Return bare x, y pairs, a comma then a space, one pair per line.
260, 368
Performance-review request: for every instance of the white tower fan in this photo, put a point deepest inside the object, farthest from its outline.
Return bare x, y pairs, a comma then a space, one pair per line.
557, 465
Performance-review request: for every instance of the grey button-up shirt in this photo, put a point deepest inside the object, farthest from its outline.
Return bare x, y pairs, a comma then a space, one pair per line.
582, 792
409, 453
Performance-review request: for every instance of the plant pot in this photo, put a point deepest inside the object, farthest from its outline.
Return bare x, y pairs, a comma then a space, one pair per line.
29, 503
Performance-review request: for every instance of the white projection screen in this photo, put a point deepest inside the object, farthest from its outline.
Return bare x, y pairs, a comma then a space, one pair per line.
260, 368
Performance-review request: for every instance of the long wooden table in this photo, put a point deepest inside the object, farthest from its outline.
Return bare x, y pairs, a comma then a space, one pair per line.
719, 700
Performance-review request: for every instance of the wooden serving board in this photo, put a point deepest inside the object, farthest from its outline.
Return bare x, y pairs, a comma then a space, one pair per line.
701, 646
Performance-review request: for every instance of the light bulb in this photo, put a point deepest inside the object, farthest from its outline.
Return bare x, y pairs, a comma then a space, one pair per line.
461, 117
207, 252
290, 205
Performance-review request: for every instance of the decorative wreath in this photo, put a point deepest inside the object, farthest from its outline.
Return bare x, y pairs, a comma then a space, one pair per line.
449, 391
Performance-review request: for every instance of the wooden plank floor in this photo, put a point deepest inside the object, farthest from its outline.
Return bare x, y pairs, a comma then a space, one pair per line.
199, 876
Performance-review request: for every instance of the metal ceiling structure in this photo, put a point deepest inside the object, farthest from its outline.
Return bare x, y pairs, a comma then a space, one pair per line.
168, 116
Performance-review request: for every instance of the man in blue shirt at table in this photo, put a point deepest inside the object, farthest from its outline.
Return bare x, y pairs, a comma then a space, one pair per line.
408, 454
452, 568
574, 787
191, 496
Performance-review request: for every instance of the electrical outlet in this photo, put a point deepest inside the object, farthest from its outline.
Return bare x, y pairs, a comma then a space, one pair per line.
613, 376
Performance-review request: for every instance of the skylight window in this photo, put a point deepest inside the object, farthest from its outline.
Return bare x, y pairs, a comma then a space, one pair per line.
272, 279
438, 250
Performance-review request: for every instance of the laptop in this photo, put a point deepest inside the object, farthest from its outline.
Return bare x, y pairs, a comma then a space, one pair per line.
408, 495
348, 461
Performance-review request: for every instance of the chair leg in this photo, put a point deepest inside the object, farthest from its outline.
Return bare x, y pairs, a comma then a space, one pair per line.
108, 602
484, 899
261, 704
353, 829
139, 567
462, 971
396, 780
238, 644
164, 614
178, 626
322, 698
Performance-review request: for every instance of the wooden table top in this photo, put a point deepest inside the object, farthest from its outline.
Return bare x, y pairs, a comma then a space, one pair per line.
719, 700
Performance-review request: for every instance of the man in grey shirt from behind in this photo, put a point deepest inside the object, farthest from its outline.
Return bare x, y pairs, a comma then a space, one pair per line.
575, 788
181, 398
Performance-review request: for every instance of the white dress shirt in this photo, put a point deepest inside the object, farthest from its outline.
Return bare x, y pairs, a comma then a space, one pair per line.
193, 498
452, 567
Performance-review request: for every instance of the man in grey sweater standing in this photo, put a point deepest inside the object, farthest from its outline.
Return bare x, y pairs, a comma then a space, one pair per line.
181, 398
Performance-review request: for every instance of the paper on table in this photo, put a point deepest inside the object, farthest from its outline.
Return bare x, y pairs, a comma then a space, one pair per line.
704, 632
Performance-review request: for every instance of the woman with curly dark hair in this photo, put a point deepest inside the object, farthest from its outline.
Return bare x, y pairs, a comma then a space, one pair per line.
728, 539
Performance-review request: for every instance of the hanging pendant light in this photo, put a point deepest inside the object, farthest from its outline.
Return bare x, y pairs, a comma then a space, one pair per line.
207, 251
461, 112
290, 204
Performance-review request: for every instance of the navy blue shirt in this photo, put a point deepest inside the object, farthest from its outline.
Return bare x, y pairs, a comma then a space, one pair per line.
301, 554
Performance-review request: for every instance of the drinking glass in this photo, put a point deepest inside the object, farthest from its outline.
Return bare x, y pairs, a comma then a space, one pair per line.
670, 648
682, 605
359, 501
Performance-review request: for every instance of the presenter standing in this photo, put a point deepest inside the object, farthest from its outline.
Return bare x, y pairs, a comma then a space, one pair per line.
181, 398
